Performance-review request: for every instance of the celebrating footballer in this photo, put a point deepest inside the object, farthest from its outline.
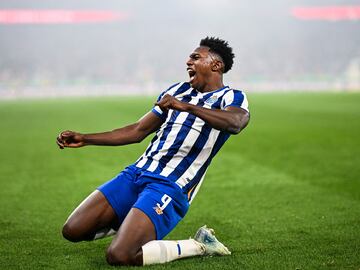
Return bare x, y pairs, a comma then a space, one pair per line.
191, 121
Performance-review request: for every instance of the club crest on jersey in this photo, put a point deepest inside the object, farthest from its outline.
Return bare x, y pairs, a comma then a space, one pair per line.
211, 100
159, 209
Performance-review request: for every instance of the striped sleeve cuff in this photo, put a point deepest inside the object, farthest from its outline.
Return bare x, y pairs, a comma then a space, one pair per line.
236, 98
159, 112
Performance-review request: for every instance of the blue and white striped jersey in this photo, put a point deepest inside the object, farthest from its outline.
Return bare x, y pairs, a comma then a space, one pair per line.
184, 146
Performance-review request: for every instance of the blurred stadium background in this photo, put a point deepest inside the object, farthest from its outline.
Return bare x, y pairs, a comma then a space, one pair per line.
52, 48
284, 194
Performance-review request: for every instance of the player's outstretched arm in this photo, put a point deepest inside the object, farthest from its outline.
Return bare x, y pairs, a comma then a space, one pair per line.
133, 133
232, 119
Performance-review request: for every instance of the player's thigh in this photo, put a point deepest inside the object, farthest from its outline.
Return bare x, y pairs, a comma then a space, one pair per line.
104, 208
136, 230
93, 214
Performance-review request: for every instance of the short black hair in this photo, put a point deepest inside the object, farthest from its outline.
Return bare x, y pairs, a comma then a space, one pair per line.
222, 48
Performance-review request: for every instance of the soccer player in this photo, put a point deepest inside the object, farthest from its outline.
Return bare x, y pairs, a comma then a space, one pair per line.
141, 205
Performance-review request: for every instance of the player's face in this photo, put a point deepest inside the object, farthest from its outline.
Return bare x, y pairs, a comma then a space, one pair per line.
199, 67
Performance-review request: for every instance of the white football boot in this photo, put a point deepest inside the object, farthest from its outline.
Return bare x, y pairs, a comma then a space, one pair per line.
206, 236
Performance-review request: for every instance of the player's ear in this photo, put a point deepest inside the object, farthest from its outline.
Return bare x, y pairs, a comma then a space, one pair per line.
217, 66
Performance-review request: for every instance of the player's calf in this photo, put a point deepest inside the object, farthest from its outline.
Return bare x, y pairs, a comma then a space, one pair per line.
74, 233
94, 218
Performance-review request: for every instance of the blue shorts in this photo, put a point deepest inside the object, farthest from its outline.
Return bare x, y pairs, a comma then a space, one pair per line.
161, 200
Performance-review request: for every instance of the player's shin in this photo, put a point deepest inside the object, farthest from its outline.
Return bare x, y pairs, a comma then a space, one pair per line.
162, 251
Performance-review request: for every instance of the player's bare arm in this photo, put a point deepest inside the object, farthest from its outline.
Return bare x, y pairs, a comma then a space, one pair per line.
232, 119
133, 133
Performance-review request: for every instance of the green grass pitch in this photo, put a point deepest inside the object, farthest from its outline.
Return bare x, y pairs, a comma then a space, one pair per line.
284, 194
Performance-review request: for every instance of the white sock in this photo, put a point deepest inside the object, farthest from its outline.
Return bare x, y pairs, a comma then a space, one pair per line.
104, 233
162, 251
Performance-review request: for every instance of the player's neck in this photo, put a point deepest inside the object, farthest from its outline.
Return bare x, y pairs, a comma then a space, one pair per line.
212, 86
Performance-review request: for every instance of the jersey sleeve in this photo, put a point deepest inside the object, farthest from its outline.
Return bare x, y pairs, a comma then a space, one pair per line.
156, 109
235, 98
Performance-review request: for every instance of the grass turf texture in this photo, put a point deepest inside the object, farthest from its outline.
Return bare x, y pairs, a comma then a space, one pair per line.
284, 194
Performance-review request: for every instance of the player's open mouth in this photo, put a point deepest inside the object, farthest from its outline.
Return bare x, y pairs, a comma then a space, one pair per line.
191, 73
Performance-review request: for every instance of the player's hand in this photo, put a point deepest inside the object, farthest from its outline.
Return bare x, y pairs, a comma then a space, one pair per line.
169, 102
70, 139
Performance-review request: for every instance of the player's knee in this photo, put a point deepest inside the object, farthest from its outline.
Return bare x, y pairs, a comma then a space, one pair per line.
120, 257
71, 233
